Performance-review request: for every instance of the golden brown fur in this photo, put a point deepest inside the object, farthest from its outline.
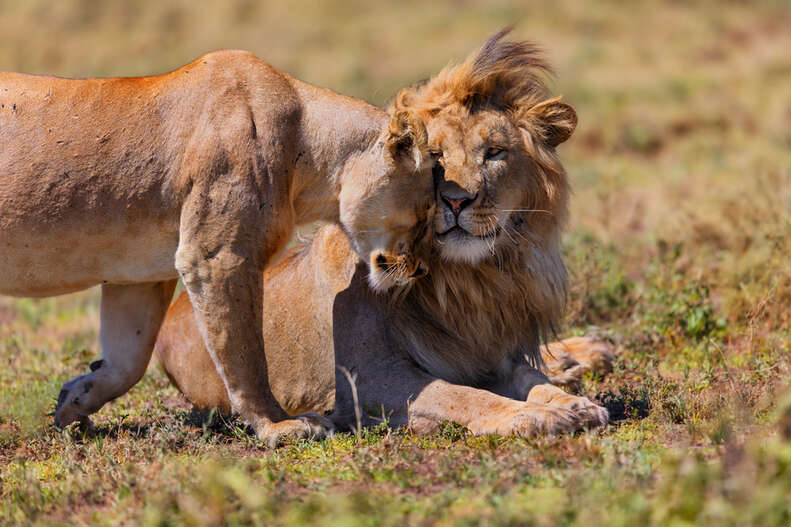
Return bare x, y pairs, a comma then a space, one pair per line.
463, 343
199, 174
506, 293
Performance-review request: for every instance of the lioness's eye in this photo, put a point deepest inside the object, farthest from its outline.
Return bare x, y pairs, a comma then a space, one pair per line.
493, 153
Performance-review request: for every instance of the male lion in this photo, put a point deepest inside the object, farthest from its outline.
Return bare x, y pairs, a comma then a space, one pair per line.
463, 343
201, 173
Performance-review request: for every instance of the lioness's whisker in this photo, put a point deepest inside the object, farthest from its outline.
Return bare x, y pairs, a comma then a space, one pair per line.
392, 269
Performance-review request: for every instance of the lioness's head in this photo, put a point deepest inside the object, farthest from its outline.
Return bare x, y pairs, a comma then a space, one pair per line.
387, 202
493, 129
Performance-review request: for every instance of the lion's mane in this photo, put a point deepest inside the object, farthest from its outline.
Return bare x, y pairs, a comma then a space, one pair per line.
464, 319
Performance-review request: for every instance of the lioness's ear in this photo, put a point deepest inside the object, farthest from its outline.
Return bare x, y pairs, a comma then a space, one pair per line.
407, 137
553, 120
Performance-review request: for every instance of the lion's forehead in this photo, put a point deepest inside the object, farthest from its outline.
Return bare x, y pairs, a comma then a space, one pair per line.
459, 137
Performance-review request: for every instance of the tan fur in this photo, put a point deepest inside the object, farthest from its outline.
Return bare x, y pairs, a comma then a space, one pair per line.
463, 343
201, 174
567, 361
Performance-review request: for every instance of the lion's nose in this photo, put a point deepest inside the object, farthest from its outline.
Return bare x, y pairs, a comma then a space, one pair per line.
458, 204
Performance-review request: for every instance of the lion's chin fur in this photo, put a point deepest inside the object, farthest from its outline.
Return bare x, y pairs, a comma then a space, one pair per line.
464, 321
470, 250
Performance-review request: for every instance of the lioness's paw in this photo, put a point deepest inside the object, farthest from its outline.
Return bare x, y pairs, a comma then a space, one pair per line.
567, 361
307, 425
76, 401
319, 426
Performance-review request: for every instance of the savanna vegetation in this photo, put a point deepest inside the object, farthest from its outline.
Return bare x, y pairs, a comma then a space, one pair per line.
678, 249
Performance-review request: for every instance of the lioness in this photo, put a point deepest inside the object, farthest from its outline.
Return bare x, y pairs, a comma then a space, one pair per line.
463, 343
202, 174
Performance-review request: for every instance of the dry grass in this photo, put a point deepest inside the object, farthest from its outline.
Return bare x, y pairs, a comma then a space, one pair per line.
679, 247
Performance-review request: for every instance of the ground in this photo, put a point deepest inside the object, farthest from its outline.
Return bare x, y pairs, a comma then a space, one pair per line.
678, 250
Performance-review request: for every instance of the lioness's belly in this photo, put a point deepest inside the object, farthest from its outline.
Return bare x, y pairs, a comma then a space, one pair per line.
59, 262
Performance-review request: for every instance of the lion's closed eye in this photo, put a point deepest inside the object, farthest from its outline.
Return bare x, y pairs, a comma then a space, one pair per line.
494, 153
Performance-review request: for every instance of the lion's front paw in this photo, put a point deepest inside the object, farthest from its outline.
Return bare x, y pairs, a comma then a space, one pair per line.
585, 411
536, 419
533, 419
567, 361
529, 419
307, 425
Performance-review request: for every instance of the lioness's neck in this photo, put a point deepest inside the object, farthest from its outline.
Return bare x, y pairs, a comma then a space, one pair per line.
335, 130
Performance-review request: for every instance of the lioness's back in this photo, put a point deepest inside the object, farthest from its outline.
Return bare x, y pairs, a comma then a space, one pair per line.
91, 169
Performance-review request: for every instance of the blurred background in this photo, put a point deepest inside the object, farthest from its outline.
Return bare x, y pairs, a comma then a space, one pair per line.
683, 147
678, 245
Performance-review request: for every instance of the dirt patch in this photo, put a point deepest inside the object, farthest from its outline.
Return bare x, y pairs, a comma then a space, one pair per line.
625, 403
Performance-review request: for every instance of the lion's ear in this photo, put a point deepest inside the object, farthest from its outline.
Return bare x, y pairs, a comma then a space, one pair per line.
407, 137
553, 120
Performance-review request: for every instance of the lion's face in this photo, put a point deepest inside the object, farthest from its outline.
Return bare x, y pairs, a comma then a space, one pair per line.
387, 204
489, 190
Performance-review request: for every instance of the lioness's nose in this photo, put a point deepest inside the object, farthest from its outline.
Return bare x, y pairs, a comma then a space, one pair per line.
422, 270
458, 204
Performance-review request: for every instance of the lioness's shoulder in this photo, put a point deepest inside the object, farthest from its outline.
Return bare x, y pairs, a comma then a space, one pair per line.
227, 67
228, 60
222, 56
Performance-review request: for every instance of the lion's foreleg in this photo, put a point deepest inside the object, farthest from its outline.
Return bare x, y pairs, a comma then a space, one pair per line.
484, 412
130, 319
526, 383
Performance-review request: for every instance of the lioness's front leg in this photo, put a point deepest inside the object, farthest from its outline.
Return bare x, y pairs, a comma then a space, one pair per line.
130, 319
220, 258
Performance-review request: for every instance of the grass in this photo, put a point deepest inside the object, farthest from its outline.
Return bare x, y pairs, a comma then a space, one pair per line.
678, 249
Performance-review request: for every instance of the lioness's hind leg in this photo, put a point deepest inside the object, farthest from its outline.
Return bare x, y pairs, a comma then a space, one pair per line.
130, 319
568, 360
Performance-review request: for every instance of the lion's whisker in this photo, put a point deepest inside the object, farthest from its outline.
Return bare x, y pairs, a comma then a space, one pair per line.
493, 223
505, 230
516, 231
525, 210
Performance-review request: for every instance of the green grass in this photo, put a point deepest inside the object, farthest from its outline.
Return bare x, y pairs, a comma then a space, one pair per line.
678, 249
